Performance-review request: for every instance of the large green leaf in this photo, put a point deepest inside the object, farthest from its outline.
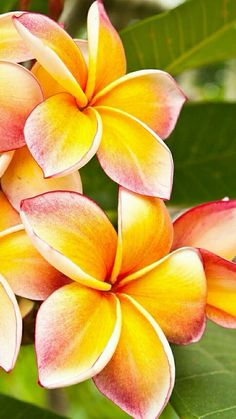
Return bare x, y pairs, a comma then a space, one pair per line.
206, 376
197, 33
204, 151
12, 408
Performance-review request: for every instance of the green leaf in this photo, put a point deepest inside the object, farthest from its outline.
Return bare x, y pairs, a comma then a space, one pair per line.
12, 408
204, 152
197, 33
206, 376
8, 5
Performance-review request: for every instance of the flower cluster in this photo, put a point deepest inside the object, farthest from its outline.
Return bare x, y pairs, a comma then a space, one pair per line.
111, 301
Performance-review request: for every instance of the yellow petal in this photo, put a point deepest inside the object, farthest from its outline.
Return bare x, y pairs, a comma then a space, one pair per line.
140, 376
5, 160
83, 329
8, 216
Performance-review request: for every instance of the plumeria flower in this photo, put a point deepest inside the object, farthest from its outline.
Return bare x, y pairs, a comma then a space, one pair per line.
96, 108
22, 272
211, 227
128, 296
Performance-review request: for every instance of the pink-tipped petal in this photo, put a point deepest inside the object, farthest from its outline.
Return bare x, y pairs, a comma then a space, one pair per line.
152, 96
133, 155
60, 137
210, 226
10, 326
19, 94
83, 329
140, 376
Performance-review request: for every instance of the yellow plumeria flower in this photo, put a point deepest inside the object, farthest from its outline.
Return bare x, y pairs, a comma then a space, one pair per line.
97, 326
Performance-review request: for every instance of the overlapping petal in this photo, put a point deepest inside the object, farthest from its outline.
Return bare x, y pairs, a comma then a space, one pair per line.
49, 85
210, 226
145, 232
24, 179
75, 236
5, 160
150, 95
56, 51
106, 54
8, 216
19, 94
60, 137
221, 289
173, 291
28, 274
134, 156
12, 47
83, 329
10, 326
140, 376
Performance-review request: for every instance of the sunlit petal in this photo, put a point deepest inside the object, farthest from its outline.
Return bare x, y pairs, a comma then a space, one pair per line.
8, 216
12, 47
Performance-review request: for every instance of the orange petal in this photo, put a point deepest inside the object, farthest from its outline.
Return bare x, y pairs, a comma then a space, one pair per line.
221, 288
133, 155
173, 291
10, 328
28, 274
12, 47
8, 216
106, 54
60, 137
56, 51
145, 232
140, 376
83, 329
5, 160
211, 226
19, 94
24, 179
82, 242
48, 84
150, 95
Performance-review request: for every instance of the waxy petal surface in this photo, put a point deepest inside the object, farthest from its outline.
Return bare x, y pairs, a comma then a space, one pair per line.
12, 46
8, 216
221, 289
19, 94
150, 95
210, 226
10, 326
56, 51
83, 329
134, 156
60, 137
28, 274
140, 376
49, 85
24, 179
76, 236
173, 291
5, 160
145, 232
106, 54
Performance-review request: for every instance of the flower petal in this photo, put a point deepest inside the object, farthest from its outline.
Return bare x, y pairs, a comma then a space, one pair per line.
19, 94
28, 274
24, 179
106, 53
133, 155
152, 96
12, 47
8, 216
5, 160
140, 376
60, 137
178, 280
221, 289
76, 236
55, 50
145, 232
83, 329
49, 85
210, 226
10, 328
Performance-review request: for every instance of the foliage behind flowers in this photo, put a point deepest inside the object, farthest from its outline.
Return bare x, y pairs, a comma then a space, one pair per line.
107, 303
